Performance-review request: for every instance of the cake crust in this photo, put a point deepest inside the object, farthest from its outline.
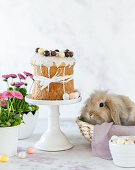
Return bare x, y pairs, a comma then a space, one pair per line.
55, 90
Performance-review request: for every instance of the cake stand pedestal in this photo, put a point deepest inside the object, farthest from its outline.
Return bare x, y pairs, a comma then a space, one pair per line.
53, 139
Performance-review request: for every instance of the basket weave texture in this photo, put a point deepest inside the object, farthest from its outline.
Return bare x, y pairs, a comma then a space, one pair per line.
86, 129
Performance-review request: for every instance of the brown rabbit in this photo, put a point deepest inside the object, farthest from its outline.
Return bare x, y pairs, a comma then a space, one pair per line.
104, 107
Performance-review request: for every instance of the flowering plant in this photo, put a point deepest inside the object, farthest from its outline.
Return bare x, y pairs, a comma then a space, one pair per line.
19, 83
8, 117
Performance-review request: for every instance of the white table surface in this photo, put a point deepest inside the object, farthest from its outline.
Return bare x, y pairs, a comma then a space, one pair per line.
79, 157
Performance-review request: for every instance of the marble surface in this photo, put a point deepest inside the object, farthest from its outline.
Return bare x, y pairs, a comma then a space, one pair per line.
79, 157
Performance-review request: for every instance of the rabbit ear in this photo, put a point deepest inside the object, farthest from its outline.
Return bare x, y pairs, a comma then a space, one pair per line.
114, 111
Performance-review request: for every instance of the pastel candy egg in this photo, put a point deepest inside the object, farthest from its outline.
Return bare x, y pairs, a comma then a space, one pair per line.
131, 138
129, 142
121, 141
4, 158
22, 155
73, 95
114, 141
30, 150
41, 50
65, 96
62, 54
114, 137
76, 94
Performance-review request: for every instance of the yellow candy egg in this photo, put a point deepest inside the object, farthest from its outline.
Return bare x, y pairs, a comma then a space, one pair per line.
41, 50
4, 158
30, 150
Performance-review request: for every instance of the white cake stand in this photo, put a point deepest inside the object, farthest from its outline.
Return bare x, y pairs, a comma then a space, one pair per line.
53, 139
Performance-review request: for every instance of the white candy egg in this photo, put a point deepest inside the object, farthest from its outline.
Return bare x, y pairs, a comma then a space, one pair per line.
131, 138
61, 54
114, 137
22, 155
114, 140
65, 96
120, 141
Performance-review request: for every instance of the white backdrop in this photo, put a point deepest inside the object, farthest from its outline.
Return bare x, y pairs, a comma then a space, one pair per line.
100, 32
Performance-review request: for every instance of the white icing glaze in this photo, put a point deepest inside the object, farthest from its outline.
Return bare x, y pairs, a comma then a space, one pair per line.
45, 81
41, 68
63, 81
48, 76
38, 59
36, 84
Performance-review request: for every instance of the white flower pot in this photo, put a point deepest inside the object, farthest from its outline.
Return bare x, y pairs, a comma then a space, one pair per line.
8, 140
26, 129
123, 154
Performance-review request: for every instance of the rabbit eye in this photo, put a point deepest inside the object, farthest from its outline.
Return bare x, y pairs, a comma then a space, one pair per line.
101, 104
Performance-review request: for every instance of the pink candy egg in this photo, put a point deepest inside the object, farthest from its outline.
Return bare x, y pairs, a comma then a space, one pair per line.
30, 150
73, 95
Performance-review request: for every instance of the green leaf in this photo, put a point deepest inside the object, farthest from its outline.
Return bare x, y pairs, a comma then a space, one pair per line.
10, 89
8, 124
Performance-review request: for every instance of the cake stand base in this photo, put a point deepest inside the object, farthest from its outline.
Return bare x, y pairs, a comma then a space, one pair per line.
53, 139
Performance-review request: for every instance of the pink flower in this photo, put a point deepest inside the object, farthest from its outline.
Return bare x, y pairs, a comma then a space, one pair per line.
11, 94
31, 76
12, 84
18, 84
17, 94
21, 76
27, 74
1, 96
6, 76
3, 103
13, 75
4, 79
7, 94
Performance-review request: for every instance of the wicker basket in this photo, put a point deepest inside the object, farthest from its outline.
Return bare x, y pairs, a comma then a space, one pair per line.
86, 129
